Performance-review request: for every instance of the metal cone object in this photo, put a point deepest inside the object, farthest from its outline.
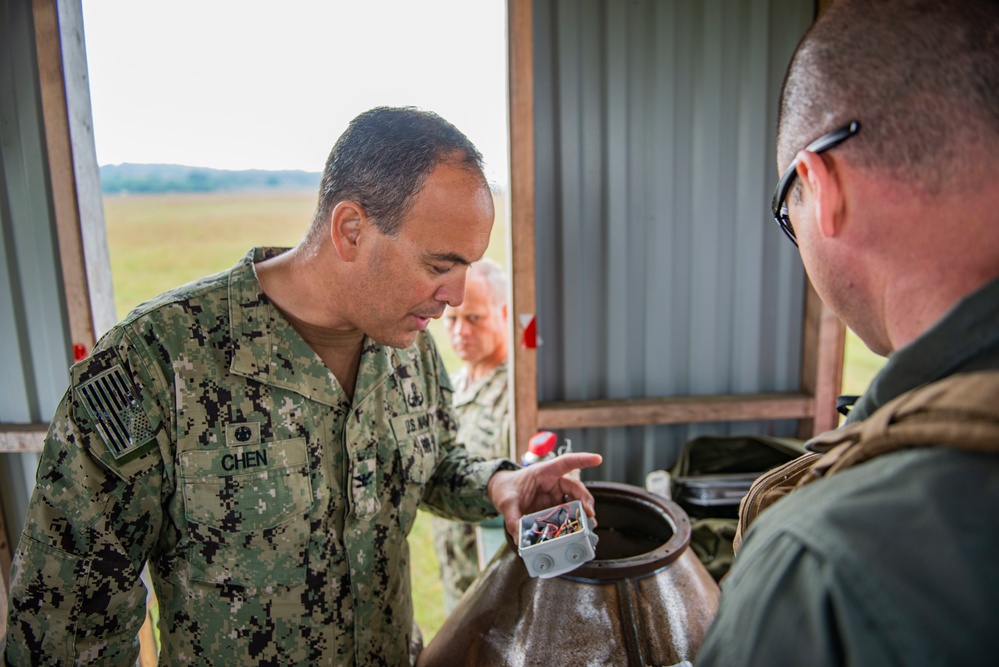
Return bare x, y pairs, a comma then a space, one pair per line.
644, 600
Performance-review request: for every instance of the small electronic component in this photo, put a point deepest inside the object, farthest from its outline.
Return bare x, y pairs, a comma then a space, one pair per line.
556, 540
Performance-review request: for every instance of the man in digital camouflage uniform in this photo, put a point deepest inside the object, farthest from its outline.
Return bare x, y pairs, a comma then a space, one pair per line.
477, 330
263, 437
888, 136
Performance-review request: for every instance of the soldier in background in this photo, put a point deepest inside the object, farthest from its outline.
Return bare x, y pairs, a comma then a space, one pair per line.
884, 551
263, 437
477, 330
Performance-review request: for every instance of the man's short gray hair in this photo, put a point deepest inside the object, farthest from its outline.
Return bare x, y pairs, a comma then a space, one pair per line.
495, 277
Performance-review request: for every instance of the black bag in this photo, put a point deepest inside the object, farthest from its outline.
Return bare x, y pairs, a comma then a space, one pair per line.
713, 473
710, 478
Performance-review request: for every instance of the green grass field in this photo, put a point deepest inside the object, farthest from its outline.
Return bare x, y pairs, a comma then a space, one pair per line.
158, 242
860, 365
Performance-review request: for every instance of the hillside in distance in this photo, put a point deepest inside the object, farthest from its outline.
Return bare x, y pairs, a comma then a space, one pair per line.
130, 178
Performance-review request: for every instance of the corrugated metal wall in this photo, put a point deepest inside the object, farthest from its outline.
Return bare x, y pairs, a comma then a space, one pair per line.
36, 351
660, 271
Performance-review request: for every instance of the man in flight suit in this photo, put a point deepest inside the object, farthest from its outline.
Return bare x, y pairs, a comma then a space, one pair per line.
263, 437
888, 137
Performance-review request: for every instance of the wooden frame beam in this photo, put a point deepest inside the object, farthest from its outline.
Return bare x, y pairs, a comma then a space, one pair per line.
22, 438
673, 410
62, 172
523, 300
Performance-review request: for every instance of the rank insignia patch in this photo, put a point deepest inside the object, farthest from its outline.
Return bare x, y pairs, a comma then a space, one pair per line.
118, 417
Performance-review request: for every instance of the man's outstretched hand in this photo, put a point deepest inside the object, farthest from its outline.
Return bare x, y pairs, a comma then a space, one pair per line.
539, 486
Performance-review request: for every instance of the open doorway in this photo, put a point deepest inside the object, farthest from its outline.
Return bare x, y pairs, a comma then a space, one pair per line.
204, 92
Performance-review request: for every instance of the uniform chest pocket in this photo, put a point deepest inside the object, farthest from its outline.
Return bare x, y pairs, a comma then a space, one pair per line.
247, 511
417, 445
416, 442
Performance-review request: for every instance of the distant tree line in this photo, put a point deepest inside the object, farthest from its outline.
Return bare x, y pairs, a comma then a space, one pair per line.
165, 178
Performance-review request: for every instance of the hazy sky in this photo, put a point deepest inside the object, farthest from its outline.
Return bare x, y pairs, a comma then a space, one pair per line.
253, 84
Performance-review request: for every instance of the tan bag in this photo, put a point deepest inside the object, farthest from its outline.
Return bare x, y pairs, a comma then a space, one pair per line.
960, 411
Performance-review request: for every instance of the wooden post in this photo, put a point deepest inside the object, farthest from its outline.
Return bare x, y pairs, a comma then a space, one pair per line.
822, 363
523, 301
73, 171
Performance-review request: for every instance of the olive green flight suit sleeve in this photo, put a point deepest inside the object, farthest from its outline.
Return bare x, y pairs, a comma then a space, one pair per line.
797, 610
94, 517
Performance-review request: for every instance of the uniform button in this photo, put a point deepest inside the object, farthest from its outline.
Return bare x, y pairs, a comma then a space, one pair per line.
243, 433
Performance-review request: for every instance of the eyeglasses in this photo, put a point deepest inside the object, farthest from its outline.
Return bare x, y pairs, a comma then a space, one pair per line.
823, 143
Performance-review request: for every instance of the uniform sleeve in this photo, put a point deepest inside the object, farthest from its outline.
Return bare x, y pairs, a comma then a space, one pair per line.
503, 441
783, 604
94, 517
457, 488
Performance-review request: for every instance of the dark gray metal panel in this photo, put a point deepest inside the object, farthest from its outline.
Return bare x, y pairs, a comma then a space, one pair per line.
36, 354
659, 269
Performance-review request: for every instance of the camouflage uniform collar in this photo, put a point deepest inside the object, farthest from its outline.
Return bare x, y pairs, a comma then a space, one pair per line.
266, 348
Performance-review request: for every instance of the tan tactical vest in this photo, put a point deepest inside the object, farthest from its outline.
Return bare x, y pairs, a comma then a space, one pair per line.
960, 411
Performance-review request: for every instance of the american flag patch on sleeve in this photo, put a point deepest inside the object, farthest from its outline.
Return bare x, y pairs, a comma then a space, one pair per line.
110, 400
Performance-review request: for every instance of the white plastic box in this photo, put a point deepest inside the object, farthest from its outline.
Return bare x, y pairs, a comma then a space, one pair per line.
556, 540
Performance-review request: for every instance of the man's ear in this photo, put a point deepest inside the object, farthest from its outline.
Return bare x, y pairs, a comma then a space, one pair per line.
826, 197
345, 229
